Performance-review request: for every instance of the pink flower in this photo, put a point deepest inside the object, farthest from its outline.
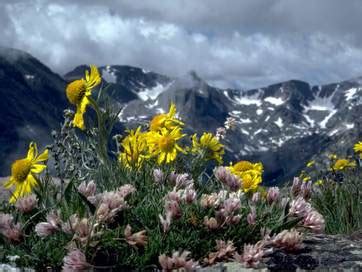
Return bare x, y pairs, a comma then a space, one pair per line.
289, 240
208, 201
75, 260
165, 222
256, 197
224, 252
190, 195
125, 190
251, 217
69, 225
231, 205
6, 220
314, 221
306, 190
183, 181
299, 207
296, 186
135, 239
87, 189
252, 254
158, 176
224, 175
26, 204
272, 195
49, 227
173, 207
211, 223
178, 261
12, 232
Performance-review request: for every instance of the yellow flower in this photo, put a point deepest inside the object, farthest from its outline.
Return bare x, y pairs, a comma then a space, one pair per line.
319, 182
78, 92
332, 157
358, 148
210, 145
134, 149
306, 178
310, 163
166, 120
163, 144
23, 171
249, 173
342, 164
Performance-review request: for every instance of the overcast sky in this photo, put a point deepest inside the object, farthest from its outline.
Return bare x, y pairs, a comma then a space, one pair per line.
229, 43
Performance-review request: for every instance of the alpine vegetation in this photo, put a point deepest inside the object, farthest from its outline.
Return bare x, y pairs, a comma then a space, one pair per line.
156, 197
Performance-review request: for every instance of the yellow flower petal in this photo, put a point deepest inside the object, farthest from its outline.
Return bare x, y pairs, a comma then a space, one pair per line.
38, 168
42, 157
32, 152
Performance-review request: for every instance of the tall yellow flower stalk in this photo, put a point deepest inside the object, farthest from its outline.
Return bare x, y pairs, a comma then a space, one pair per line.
24, 170
79, 91
134, 149
249, 173
209, 146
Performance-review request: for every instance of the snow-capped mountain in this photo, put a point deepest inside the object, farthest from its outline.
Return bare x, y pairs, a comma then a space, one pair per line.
283, 125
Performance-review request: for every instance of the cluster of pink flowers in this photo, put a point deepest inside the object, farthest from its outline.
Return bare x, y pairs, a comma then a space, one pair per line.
52, 225
252, 254
135, 239
224, 252
183, 192
75, 260
311, 219
9, 229
87, 189
272, 195
289, 240
26, 204
111, 203
177, 261
224, 175
301, 188
227, 207
251, 217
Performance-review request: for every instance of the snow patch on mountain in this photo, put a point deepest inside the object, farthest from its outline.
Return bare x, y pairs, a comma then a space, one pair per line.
277, 101
248, 100
350, 93
151, 93
324, 123
279, 122
109, 75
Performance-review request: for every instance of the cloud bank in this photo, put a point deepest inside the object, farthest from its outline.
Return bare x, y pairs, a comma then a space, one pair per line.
237, 44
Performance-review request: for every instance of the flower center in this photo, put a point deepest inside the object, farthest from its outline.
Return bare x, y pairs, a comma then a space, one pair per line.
75, 91
166, 143
21, 169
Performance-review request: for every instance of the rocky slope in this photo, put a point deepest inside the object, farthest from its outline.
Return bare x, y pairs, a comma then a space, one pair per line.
283, 125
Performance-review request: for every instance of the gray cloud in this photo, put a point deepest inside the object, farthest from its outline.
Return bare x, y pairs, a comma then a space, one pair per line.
235, 43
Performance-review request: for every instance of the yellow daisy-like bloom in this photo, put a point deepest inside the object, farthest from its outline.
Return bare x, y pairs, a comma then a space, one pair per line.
342, 164
358, 148
134, 149
210, 145
166, 120
23, 171
163, 144
78, 92
249, 173
310, 164
319, 182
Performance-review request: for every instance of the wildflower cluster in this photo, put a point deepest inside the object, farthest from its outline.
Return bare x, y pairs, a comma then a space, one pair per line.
164, 200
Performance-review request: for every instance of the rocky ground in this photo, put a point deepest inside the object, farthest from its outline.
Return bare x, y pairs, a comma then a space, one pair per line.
320, 253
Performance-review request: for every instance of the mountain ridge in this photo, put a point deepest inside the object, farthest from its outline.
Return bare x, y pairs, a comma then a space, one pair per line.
283, 124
